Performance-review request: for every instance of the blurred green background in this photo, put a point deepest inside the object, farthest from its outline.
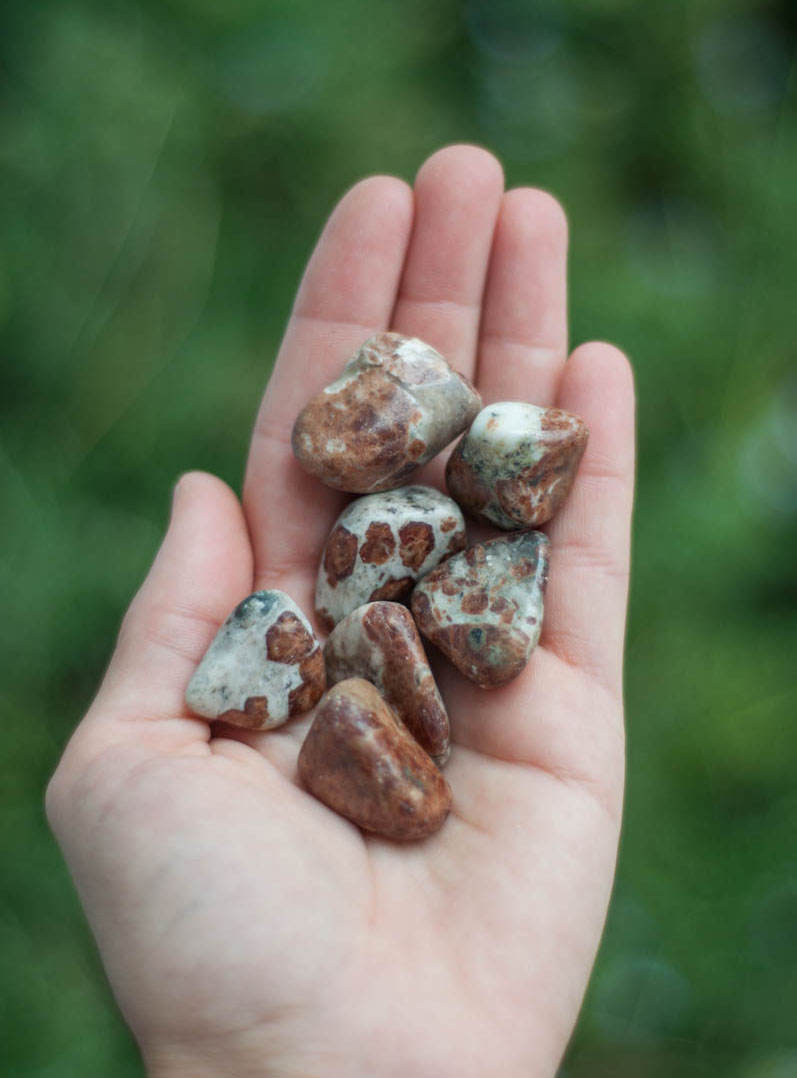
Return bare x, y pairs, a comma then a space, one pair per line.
166, 166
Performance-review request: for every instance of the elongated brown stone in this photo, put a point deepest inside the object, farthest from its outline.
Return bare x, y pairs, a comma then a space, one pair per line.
483, 608
361, 761
396, 404
516, 464
380, 642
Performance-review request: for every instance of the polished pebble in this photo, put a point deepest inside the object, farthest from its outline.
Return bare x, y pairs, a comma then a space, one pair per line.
483, 608
380, 642
516, 464
396, 404
361, 761
381, 545
263, 666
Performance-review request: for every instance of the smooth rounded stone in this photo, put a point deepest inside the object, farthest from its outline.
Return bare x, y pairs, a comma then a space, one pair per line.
516, 464
380, 642
381, 545
361, 761
264, 665
395, 406
483, 608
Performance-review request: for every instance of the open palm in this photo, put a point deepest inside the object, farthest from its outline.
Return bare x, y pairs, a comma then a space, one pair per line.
247, 929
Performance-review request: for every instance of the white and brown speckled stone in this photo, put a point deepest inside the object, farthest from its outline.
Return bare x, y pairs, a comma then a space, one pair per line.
381, 545
264, 665
396, 404
380, 642
483, 608
516, 464
361, 761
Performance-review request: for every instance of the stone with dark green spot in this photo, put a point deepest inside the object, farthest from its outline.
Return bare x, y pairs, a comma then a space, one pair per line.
483, 608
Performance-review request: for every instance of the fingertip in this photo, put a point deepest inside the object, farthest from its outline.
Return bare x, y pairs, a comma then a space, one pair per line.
465, 162
199, 484
202, 569
200, 496
378, 194
598, 384
354, 271
532, 214
600, 360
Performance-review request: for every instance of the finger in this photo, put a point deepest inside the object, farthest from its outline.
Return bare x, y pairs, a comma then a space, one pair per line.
203, 568
585, 605
347, 293
523, 335
457, 197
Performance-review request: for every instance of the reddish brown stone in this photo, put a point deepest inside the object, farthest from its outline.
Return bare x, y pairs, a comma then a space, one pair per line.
448, 524
379, 543
340, 554
287, 640
395, 406
361, 761
371, 419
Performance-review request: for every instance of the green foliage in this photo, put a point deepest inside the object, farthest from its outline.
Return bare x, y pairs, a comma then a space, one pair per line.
166, 166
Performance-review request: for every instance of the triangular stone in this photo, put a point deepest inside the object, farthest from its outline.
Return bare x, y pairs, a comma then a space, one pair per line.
361, 761
264, 665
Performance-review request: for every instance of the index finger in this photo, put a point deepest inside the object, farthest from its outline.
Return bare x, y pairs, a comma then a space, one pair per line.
347, 294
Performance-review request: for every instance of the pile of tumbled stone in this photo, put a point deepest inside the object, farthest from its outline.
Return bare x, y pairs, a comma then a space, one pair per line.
380, 734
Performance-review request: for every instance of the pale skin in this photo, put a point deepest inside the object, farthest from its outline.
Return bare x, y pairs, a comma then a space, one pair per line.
245, 928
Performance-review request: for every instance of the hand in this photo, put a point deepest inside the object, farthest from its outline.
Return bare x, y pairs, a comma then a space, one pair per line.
247, 929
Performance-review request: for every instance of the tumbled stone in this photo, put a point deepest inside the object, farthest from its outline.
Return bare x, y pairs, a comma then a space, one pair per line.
396, 404
381, 545
483, 608
516, 464
264, 665
380, 642
361, 761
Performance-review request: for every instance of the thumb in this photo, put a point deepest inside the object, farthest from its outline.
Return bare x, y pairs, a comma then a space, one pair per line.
203, 568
